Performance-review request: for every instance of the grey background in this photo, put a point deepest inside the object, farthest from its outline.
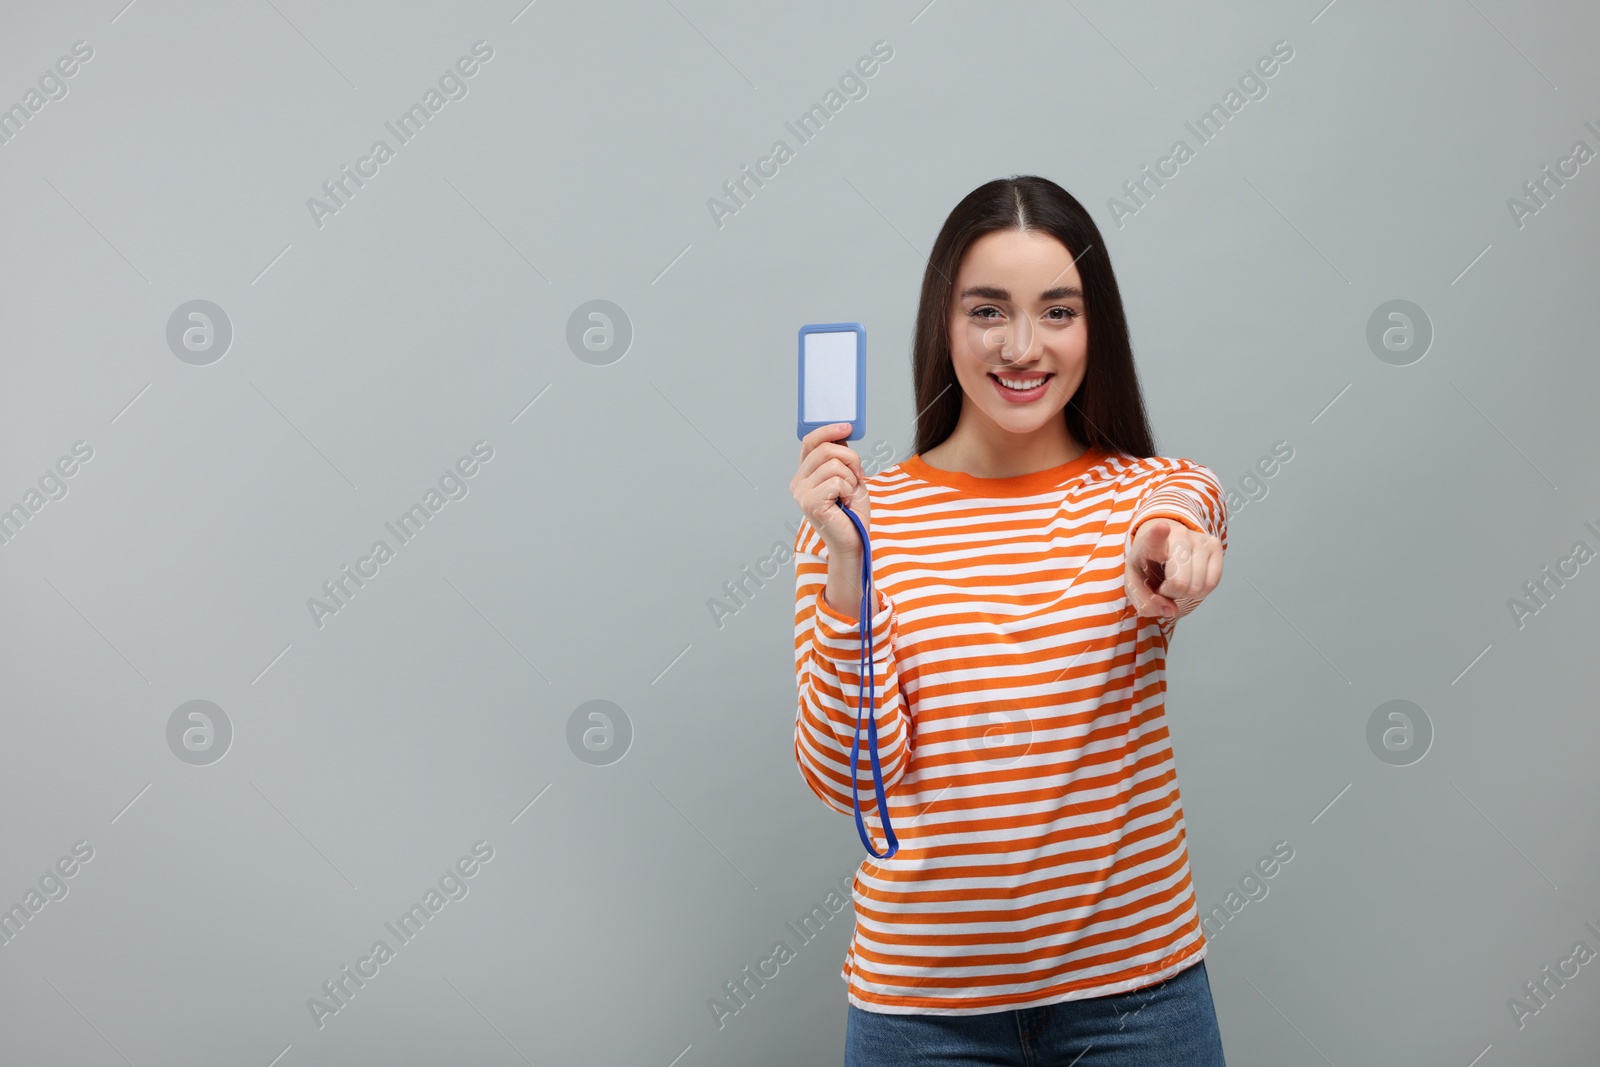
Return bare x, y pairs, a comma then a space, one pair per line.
432, 312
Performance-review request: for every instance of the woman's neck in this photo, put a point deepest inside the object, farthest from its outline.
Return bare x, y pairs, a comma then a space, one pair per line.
999, 453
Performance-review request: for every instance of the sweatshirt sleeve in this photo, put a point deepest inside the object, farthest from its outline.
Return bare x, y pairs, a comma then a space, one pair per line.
827, 657
1189, 493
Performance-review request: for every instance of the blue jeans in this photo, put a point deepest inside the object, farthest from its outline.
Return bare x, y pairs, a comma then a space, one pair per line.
1170, 1024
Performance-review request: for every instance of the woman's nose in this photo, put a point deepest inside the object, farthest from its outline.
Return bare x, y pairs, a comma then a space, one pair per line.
1011, 341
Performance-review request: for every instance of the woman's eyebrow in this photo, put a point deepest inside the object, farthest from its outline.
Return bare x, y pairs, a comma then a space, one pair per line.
990, 292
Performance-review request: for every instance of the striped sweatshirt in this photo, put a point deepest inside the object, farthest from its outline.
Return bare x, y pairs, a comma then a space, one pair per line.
1022, 736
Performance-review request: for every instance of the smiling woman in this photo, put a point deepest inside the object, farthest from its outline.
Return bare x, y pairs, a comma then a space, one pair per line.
1029, 564
1015, 356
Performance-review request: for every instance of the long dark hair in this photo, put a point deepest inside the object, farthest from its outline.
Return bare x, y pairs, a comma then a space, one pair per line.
1107, 411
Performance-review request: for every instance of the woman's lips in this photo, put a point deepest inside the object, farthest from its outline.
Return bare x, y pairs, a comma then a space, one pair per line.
1021, 396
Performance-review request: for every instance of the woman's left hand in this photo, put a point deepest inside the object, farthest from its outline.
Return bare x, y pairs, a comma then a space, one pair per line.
1168, 560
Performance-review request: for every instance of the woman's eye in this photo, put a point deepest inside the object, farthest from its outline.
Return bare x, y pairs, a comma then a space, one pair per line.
989, 311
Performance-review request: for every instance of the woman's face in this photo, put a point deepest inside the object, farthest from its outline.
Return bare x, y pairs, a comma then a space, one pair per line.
1018, 317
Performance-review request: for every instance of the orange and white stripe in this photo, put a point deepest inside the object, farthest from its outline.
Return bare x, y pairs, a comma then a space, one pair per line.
1021, 732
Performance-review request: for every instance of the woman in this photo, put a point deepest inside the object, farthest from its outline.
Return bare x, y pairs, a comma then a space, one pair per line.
1029, 564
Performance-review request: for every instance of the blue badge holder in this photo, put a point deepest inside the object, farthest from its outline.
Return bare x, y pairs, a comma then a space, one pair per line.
847, 342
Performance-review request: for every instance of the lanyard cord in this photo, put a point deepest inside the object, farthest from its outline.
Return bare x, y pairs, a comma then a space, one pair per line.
868, 670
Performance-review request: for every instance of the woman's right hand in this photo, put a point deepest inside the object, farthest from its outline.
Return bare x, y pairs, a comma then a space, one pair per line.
830, 470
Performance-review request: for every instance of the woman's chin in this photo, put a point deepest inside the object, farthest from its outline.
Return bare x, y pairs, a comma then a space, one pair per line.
1022, 421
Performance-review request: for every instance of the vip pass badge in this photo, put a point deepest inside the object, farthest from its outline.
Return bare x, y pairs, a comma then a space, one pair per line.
833, 385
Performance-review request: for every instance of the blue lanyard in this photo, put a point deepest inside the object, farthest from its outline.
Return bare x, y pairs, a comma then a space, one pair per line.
868, 670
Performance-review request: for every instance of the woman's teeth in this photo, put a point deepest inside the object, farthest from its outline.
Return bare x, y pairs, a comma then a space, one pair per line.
1022, 385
